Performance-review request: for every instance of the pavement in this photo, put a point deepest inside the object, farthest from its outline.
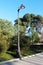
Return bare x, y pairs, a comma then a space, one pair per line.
36, 59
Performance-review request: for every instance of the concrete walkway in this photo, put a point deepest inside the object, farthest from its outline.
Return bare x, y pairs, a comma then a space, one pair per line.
29, 60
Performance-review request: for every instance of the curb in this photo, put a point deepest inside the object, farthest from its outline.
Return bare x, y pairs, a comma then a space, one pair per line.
31, 55
15, 60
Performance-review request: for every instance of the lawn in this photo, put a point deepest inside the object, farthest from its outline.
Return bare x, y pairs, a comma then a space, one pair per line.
28, 52
11, 55
5, 57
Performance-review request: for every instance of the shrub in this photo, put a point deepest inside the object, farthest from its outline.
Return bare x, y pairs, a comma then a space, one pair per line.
3, 44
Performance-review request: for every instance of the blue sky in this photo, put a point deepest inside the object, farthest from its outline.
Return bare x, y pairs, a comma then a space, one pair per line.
8, 8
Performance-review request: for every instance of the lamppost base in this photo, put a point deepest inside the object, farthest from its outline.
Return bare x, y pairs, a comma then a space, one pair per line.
19, 55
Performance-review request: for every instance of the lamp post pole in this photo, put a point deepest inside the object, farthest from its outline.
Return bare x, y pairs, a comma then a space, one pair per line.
19, 53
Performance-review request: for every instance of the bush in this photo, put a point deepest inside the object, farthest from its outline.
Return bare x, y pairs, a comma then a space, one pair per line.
3, 47
3, 44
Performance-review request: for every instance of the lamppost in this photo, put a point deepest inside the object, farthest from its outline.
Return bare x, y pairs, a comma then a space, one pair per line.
19, 53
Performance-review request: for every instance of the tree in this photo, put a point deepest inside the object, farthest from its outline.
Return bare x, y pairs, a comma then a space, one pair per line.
27, 17
29, 20
6, 27
6, 32
29, 23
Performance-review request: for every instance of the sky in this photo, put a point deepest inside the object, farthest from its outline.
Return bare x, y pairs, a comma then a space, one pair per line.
8, 8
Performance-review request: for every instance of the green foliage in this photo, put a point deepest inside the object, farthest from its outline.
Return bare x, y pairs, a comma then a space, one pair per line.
29, 20
27, 17
6, 57
6, 32
34, 38
39, 17
9, 33
4, 44
32, 16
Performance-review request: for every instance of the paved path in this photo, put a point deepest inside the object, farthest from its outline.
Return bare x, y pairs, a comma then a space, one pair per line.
30, 60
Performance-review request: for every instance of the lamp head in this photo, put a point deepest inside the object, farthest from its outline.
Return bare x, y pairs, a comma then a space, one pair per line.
22, 6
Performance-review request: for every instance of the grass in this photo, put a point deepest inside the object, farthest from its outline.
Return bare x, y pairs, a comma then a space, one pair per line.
6, 57
10, 55
28, 52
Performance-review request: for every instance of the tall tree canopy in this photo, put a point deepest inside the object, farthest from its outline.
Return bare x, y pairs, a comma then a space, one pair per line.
30, 23
32, 20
